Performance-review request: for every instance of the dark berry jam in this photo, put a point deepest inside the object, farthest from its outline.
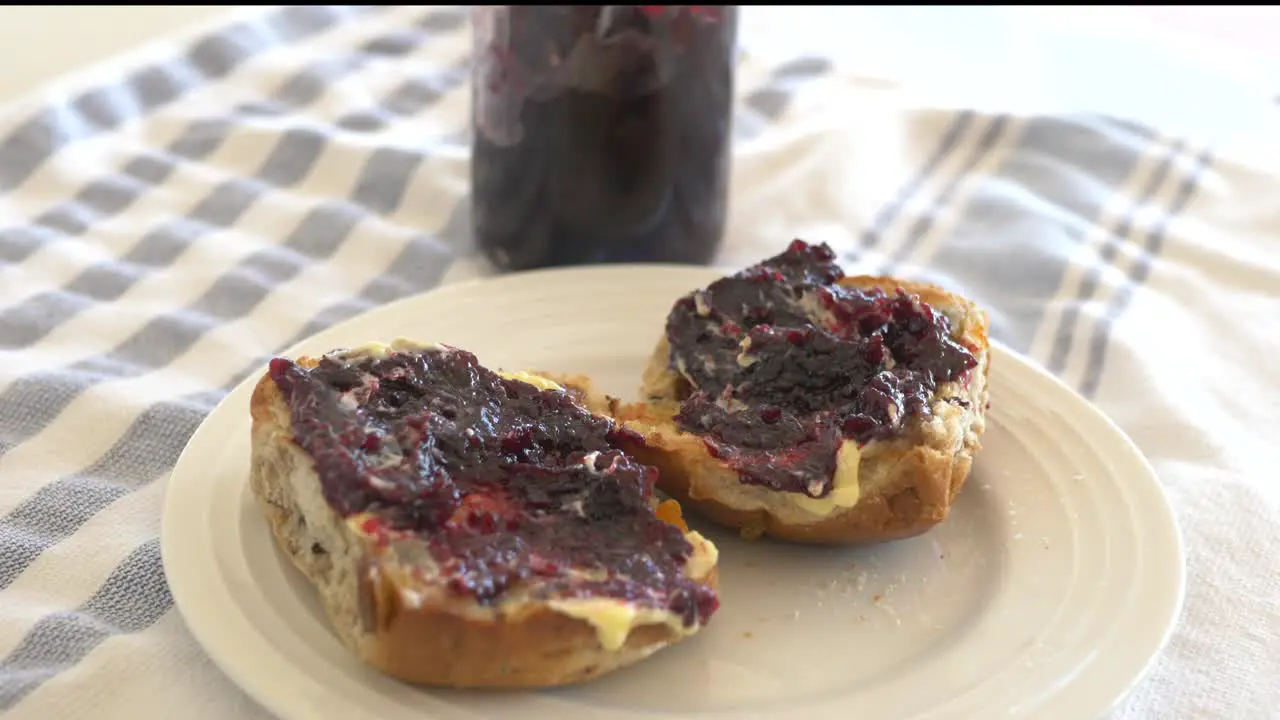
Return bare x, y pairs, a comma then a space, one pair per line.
601, 132
782, 364
503, 481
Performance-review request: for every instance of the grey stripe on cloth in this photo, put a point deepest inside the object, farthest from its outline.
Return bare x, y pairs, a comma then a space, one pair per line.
1151, 248
1049, 192
406, 99
153, 86
903, 250
136, 594
30, 403
111, 195
302, 89
1117, 235
29, 321
874, 235
761, 107
127, 602
772, 98
886, 215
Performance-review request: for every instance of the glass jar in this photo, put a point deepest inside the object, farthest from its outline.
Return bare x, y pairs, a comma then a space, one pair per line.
601, 133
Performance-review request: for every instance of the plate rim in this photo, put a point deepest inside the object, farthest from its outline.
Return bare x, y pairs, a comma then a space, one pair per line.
180, 582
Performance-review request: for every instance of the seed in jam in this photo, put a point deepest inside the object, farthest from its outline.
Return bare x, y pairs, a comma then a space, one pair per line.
811, 363
501, 480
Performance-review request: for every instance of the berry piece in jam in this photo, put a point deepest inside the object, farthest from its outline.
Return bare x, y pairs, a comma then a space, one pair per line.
502, 481
820, 364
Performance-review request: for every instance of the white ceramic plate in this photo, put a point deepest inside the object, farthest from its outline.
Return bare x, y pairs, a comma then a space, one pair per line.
1047, 593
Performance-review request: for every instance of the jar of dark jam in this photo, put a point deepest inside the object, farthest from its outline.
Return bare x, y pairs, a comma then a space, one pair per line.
601, 133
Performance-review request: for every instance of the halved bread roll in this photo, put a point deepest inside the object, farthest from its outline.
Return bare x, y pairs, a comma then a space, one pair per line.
469, 528
792, 401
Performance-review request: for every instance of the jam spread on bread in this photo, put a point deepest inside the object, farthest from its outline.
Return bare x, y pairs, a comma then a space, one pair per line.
506, 484
782, 364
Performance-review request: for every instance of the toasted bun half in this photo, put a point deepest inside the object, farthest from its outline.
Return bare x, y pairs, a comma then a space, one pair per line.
906, 484
390, 607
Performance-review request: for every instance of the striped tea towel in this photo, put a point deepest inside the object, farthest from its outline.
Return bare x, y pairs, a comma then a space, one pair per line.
163, 233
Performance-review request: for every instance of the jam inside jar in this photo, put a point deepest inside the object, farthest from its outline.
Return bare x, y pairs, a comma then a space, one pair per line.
601, 133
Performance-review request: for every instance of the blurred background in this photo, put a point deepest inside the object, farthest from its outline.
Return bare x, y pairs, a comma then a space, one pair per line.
1194, 68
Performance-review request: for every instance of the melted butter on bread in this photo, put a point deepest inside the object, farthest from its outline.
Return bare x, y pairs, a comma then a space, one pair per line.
845, 490
614, 619
530, 379
376, 349
704, 557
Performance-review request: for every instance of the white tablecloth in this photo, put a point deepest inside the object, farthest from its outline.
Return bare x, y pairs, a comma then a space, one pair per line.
165, 228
